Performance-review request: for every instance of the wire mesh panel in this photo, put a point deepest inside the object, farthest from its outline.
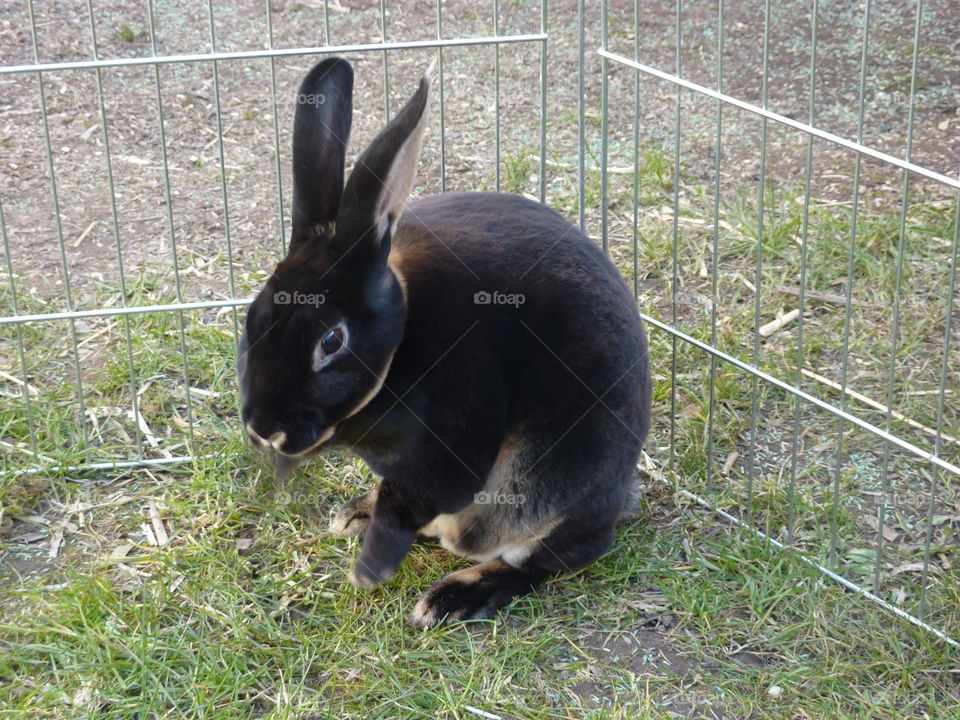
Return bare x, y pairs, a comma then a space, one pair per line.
803, 281
145, 197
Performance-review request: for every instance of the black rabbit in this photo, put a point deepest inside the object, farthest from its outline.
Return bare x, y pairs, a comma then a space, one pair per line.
476, 350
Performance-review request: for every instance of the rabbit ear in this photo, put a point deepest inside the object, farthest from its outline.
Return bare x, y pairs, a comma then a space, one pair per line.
381, 180
321, 127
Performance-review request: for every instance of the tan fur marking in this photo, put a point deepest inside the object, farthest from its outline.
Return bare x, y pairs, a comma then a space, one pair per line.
393, 262
441, 526
514, 553
364, 583
345, 522
403, 171
515, 542
382, 378
422, 615
324, 436
325, 229
468, 575
253, 434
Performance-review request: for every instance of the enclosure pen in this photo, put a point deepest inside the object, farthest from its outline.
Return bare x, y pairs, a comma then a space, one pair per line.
937, 463
180, 306
759, 423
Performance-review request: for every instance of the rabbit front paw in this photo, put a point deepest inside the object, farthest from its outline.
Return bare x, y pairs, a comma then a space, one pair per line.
385, 543
367, 577
352, 519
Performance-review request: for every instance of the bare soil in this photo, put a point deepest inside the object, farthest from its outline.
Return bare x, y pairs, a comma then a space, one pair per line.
146, 236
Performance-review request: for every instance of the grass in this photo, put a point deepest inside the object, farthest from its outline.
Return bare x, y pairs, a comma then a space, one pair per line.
212, 627
246, 611
126, 34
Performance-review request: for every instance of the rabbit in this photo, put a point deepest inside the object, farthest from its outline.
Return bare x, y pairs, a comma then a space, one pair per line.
477, 351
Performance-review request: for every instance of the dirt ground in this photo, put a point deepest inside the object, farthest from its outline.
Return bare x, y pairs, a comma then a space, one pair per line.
194, 220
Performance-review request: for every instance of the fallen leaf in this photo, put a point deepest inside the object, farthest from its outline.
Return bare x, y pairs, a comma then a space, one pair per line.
28, 538
120, 552
56, 542
159, 531
906, 567
728, 463
871, 521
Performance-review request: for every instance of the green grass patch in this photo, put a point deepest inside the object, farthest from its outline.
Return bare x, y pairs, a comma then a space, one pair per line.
246, 611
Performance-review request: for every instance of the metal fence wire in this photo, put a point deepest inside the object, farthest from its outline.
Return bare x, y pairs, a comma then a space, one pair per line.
778, 182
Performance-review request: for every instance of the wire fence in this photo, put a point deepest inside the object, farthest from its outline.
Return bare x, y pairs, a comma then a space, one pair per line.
145, 441
106, 368
799, 390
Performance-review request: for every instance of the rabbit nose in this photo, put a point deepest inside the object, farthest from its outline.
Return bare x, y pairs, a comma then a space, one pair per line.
274, 442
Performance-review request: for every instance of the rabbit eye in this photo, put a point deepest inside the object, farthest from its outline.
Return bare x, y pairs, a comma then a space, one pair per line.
331, 342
